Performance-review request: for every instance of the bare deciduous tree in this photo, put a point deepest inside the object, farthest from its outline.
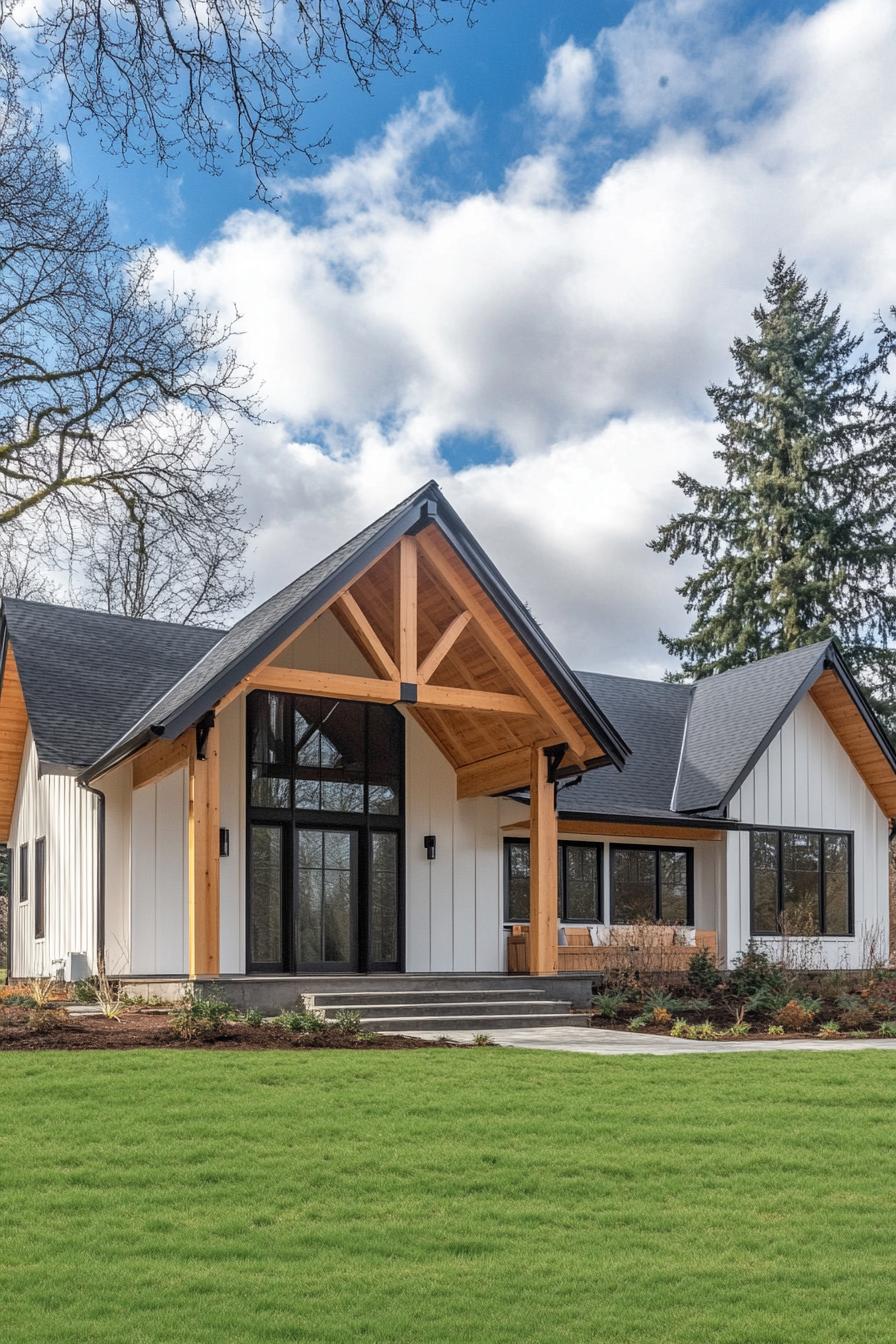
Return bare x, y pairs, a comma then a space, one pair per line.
221, 76
116, 402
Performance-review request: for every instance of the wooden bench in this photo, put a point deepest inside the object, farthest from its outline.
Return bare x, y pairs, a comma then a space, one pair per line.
637, 947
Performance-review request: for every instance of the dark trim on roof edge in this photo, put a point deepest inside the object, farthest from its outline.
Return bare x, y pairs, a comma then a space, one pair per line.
685, 821
428, 506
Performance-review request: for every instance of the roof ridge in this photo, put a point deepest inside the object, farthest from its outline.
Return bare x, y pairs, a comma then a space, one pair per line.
110, 615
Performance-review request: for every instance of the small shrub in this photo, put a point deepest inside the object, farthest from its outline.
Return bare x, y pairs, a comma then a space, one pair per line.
887, 1029
609, 1004
482, 1038
704, 975
197, 1018
775, 1030
679, 1028
705, 1031
658, 998
860, 1035
829, 1029
84, 991
794, 1017
42, 989
642, 1020
660, 1017
253, 1017
348, 1021
765, 1002
294, 1019
753, 970
738, 1029
696, 1006
16, 1001
108, 995
854, 1012
46, 1019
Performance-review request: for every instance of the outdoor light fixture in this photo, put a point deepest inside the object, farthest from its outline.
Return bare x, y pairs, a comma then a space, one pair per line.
429, 844
224, 842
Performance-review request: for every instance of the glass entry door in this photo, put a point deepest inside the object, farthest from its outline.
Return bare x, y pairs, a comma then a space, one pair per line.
325, 913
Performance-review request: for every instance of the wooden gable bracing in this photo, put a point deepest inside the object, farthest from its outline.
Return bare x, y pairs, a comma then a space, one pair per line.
438, 645
13, 730
856, 737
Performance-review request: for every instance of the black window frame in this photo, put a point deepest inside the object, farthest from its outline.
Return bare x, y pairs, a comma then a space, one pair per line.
40, 887
562, 847
364, 822
779, 832
23, 874
687, 851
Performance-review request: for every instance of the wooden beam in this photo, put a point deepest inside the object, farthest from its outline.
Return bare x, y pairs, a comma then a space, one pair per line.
359, 627
162, 758
685, 835
13, 731
500, 646
495, 774
443, 646
406, 609
463, 697
543, 957
204, 902
336, 685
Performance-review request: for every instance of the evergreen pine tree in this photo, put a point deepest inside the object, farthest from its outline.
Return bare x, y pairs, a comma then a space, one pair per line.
799, 541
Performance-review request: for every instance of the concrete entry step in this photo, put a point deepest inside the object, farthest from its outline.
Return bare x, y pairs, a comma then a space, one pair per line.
455, 1008
364, 997
496, 1022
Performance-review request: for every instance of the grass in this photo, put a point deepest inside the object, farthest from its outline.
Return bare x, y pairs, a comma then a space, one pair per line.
446, 1196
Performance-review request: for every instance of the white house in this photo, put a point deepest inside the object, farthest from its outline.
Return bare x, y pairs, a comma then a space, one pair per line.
387, 768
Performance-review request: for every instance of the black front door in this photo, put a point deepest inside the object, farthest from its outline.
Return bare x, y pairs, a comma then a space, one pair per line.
325, 794
325, 906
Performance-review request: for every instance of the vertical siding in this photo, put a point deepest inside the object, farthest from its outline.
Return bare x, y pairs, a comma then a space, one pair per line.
116, 787
232, 748
54, 806
159, 923
806, 778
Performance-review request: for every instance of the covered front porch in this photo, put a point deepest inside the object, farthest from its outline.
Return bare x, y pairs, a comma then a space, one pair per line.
344, 796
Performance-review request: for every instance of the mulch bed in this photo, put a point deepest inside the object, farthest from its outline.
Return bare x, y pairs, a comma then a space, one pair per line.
137, 1030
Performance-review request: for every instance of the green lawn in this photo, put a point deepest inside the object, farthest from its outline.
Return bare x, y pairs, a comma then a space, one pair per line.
469, 1196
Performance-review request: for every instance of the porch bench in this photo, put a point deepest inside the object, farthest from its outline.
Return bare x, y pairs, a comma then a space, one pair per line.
630, 947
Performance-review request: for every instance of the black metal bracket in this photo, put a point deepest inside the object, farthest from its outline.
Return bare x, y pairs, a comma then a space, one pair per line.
203, 728
555, 757
409, 693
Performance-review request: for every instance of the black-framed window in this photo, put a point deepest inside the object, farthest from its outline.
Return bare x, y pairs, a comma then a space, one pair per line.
23, 873
651, 882
801, 882
579, 882
40, 887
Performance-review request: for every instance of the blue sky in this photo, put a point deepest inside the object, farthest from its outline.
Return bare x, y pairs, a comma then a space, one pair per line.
517, 270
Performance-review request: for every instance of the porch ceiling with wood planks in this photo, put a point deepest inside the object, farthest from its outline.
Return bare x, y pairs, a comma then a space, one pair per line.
440, 647
13, 730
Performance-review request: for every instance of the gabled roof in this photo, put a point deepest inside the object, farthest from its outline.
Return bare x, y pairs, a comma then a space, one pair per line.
693, 745
263, 630
85, 675
733, 717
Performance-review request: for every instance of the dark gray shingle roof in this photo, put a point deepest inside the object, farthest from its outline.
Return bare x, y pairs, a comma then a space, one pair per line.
732, 714
650, 715
87, 675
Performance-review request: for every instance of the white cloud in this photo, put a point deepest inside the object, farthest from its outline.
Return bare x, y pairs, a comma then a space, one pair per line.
565, 93
578, 331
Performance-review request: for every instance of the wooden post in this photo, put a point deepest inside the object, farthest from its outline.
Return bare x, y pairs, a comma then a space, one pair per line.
543, 957
406, 610
204, 863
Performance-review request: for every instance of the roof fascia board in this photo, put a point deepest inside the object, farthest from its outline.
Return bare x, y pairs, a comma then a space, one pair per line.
684, 822
543, 651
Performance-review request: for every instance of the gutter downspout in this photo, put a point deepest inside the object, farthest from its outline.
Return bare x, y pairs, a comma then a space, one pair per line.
100, 876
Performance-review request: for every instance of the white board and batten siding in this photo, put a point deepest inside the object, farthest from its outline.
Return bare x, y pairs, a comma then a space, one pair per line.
806, 778
56, 808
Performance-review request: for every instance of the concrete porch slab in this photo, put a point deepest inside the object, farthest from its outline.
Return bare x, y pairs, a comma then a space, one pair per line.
598, 1041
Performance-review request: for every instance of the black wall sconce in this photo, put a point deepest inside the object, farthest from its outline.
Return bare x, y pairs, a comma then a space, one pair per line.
429, 844
224, 842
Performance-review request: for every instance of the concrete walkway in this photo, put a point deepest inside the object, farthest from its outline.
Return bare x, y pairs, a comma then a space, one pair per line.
597, 1041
